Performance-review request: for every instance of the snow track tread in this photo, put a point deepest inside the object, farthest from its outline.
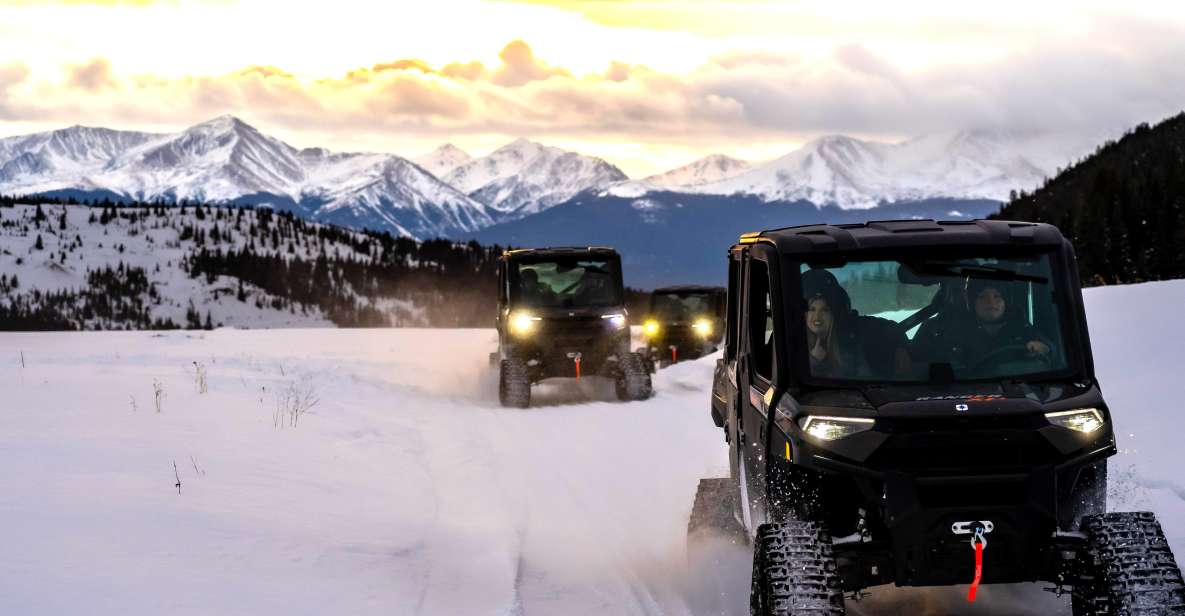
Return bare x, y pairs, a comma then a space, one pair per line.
1131, 569
712, 510
634, 382
514, 384
794, 571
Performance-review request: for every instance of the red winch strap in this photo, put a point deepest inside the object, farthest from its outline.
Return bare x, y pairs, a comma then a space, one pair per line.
978, 570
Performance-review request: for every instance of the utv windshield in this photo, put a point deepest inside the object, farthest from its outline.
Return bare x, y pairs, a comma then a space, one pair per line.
934, 320
682, 306
565, 283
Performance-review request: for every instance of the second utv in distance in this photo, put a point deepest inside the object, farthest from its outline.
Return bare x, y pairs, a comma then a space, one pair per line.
561, 313
684, 322
915, 402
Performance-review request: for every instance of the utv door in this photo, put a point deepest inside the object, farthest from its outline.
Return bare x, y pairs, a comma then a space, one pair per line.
755, 376
724, 382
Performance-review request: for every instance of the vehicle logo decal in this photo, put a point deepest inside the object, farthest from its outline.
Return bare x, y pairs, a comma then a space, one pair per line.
962, 407
963, 398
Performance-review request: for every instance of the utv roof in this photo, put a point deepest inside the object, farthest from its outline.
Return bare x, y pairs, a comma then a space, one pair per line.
560, 250
688, 288
890, 234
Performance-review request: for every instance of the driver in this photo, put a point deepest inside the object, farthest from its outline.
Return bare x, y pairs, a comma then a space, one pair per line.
994, 328
532, 290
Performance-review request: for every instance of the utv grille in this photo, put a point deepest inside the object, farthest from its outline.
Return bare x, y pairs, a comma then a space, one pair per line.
963, 446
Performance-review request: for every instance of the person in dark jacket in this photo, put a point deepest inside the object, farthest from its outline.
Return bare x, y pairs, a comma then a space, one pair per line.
986, 327
832, 345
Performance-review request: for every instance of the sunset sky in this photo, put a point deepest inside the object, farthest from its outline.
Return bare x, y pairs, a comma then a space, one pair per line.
647, 85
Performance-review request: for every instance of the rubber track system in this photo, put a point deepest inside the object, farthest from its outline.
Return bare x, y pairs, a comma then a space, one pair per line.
514, 385
712, 512
794, 572
634, 382
1130, 570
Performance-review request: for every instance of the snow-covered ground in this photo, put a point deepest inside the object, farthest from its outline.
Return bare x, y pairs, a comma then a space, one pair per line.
405, 489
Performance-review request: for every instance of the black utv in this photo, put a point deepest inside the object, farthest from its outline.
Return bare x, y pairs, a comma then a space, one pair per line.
561, 313
683, 322
914, 402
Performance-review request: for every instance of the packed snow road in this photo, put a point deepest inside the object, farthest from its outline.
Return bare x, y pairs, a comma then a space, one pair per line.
371, 471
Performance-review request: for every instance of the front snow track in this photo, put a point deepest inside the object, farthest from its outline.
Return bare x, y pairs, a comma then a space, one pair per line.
794, 571
1129, 569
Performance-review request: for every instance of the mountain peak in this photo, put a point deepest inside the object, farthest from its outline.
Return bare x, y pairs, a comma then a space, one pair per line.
711, 168
443, 159
223, 123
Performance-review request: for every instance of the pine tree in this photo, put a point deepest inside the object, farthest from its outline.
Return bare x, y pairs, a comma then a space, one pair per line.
39, 245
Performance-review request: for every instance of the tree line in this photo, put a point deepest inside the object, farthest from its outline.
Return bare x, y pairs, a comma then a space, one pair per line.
1122, 207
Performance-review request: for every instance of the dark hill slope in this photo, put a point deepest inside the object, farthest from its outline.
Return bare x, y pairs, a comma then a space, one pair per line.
1123, 207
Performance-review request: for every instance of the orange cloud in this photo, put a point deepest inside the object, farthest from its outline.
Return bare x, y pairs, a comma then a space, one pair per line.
93, 76
469, 71
520, 66
402, 65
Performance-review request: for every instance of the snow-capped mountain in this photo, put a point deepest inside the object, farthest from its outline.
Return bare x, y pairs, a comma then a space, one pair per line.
227, 160
708, 169
524, 178
443, 159
63, 152
854, 173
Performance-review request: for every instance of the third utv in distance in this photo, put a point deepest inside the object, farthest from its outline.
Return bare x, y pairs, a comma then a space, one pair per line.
901, 398
683, 322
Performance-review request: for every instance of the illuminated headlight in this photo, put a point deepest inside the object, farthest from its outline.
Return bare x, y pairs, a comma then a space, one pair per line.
523, 323
616, 320
832, 428
650, 327
1081, 420
703, 327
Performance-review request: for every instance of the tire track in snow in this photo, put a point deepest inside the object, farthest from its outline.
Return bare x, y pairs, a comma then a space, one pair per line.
472, 552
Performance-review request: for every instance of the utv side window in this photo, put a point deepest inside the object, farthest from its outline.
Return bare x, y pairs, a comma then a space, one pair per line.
761, 322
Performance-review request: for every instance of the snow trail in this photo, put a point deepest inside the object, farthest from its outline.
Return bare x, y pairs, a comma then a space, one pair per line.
407, 490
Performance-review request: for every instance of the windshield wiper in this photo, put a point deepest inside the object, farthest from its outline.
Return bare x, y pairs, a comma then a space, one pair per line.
977, 271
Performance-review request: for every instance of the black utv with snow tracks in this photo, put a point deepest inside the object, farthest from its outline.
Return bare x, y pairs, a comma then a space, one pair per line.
682, 322
561, 313
914, 402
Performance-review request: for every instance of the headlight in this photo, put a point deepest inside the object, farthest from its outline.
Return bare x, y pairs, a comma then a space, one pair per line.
832, 428
1081, 420
650, 327
703, 327
617, 320
523, 323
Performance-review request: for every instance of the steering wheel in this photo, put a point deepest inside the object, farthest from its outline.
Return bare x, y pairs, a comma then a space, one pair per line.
1011, 352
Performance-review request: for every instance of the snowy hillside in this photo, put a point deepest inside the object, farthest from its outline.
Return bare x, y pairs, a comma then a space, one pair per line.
77, 267
372, 472
524, 178
854, 173
227, 160
443, 159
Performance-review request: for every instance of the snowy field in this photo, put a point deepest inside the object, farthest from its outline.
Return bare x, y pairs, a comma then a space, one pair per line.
404, 489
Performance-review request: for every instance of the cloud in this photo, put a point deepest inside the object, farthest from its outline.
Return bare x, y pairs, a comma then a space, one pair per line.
84, 2
92, 76
739, 97
10, 75
403, 65
520, 66
469, 71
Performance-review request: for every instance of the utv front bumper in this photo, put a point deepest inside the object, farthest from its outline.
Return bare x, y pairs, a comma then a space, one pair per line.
917, 478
